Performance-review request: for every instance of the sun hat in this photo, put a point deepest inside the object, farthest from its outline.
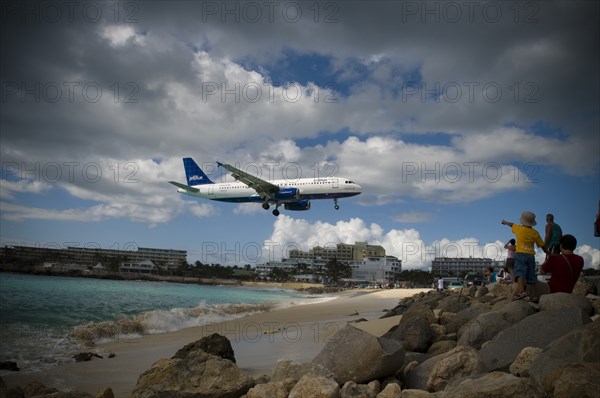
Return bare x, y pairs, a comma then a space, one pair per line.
528, 219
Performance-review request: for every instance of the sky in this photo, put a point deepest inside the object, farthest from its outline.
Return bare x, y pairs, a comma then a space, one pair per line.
452, 116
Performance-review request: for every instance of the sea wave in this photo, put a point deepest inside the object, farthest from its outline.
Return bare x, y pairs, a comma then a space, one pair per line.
162, 321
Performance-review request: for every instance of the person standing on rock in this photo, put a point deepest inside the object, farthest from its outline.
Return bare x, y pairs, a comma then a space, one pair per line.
565, 268
553, 235
527, 237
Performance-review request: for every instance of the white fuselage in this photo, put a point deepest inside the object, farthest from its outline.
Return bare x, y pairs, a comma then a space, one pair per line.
309, 188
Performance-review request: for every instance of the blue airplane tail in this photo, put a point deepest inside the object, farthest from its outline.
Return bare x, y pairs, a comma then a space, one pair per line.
193, 173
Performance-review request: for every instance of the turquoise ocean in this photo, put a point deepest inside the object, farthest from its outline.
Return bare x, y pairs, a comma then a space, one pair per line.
45, 320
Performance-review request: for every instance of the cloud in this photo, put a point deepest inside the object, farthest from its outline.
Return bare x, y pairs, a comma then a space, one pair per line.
413, 217
8, 189
406, 244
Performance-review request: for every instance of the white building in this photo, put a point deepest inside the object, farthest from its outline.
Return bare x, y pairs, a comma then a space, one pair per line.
311, 267
376, 269
139, 267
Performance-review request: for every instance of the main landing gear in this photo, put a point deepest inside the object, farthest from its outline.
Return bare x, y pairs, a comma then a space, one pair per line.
266, 206
336, 206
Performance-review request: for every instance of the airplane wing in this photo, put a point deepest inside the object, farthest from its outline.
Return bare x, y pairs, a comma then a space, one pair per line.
184, 187
264, 188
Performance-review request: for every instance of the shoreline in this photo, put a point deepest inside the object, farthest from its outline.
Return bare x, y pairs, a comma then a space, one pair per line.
297, 333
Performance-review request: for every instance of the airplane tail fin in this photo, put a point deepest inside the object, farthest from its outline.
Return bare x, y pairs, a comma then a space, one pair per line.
193, 173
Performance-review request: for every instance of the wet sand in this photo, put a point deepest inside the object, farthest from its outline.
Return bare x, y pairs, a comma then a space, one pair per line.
297, 333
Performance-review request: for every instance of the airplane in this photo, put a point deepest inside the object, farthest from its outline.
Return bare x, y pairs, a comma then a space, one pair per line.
294, 195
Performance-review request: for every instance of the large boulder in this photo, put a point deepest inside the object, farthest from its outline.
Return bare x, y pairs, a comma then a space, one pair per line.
577, 380
494, 384
287, 369
197, 374
578, 346
417, 376
214, 344
559, 300
489, 324
537, 330
414, 328
453, 322
457, 363
356, 355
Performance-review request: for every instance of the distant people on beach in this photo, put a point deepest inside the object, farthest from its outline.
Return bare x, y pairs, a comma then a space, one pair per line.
553, 235
440, 286
506, 276
526, 239
565, 268
490, 276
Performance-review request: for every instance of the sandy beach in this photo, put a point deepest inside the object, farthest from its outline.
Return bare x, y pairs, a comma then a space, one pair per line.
297, 333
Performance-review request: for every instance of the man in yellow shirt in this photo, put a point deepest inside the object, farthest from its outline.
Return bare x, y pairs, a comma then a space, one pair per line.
527, 238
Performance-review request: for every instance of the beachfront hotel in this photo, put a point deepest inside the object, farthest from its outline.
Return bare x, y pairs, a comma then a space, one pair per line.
138, 259
460, 266
340, 251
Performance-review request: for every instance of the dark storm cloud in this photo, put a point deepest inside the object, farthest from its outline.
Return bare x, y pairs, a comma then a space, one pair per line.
151, 61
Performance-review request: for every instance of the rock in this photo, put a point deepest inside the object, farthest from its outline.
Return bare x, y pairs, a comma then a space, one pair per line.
287, 369
489, 324
520, 366
501, 290
438, 331
414, 328
353, 354
482, 291
375, 386
417, 394
536, 330
315, 387
414, 331
417, 377
452, 304
36, 389
85, 356
392, 390
197, 374
577, 380
262, 379
106, 393
457, 363
494, 384
453, 323
586, 285
578, 346
441, 347
9, 365
214, 344
559, 300
278, 389
353, 390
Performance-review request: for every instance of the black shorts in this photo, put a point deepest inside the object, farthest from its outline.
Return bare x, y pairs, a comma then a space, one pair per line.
510, 263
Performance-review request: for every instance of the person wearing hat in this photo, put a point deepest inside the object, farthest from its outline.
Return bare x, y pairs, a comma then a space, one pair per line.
527, 238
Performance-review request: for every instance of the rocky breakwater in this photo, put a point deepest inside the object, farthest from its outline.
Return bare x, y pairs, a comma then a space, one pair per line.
474, 343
